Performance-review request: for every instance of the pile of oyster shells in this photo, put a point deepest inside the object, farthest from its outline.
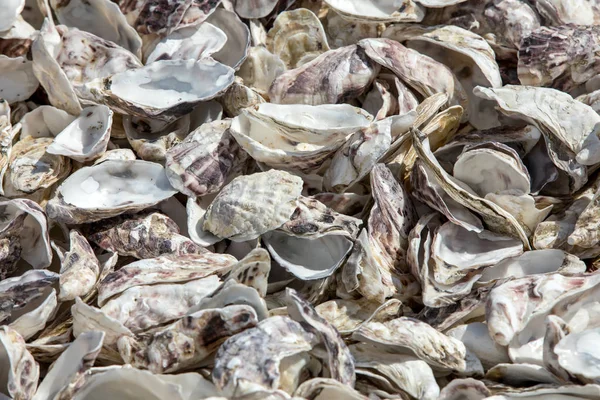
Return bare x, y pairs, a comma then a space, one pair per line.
299, 199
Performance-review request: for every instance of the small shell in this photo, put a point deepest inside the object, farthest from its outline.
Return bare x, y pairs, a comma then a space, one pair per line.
205, 160
151, 139
348, 315
297, 37
340, 361
192, 43
85, 138
260, 69
168, 349
267, 200
79, 268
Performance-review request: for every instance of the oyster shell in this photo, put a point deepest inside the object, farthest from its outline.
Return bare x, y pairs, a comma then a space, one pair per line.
378, 10
255, 195
18, 80
21, 370
111, 188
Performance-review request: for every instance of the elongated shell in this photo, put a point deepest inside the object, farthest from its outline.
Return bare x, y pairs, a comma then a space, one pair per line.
108, 189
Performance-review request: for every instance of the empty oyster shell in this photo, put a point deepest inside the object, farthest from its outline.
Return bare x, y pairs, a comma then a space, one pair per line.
102, 18
111, 188
20, 369
79, 268
85, 138
205, 160
268, 198
468, 55
260, 69
44, 50
18, 81
235, 50
72, 364
142, 307
45, 121
254, 8
317, 81
422, 73
395, 372
297, 37
163, 269
168, 349
191, 43
410, 336
10, 13
151, 139
579, 134
142, 92
88, 319
239, 363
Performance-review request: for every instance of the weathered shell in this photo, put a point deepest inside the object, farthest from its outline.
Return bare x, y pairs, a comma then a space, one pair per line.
534, 262
72, 364
33, 234
168, 349
141, 307
326, 388
48, 71
85, 138
79, 268
410, 336
349, 315
20, 369
35, 317
163, 269
252, 205
145, 235
239, 362
312, 83
496, 218
456, 251
575, 124
297, 37
205, 160
87, 319
340, 361
562, 12
108, 189
85, 57
476, 338
468, 55
19, 291
11, 11
260, 69
422, 73
101, 18
33, 171
254, 8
